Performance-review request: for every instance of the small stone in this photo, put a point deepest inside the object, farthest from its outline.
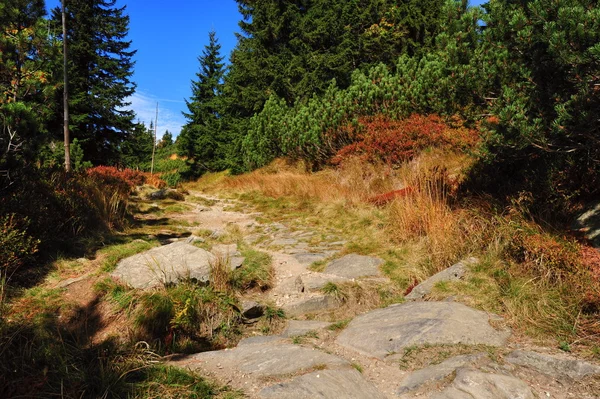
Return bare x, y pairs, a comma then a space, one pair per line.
453, 273
217, 233
252, 309
193, 239
436, 372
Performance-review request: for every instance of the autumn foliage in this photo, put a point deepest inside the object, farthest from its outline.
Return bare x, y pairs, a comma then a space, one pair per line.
381, 139
123, 180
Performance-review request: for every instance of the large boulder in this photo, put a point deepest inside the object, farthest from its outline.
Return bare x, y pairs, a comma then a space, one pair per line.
263, 359
382, 332
168, 264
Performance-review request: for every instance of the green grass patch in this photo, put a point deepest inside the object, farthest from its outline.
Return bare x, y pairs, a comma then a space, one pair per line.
339, 325
174, 383
256, 272
114, 253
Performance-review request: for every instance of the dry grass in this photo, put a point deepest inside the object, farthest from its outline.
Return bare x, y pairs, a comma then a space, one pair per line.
531, 276
352, 183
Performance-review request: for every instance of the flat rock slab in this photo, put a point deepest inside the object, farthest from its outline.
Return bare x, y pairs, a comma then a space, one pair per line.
470, 384
307, 258
310, 305
316, 281
301, 327
283, 242
324, 384
167, 264
437, 372
453, 273
269, 359
355, 266
553, 366
382, 332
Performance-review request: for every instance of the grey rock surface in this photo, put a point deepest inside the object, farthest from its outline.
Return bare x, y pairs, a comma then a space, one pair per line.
192, 239
436, 372
164, 194
283, 242
589, 224
230, 254
301, 327
252, 309
354, 266
453, 273
307, 258
324, 384
71, 281
167, 264
316, 281
386, 331
264, 359
310, 305
471, 384
553, 366
260, 339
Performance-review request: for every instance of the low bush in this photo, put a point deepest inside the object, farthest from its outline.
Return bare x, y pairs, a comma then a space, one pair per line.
380, 139
123, 180
52, 211
16, 245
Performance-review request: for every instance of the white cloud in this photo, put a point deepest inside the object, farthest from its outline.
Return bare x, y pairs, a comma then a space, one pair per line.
169, 115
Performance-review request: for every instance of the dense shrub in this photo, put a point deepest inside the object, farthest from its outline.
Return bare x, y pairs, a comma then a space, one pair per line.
16, 245
54, 211
393, 142
122, 180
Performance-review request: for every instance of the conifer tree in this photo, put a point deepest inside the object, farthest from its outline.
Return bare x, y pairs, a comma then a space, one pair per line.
201, 138
100, 68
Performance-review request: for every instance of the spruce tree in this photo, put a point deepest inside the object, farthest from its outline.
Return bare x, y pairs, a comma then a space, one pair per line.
100, 68
201, 138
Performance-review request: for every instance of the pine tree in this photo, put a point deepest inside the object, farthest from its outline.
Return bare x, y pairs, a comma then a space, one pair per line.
201, 138
100, 68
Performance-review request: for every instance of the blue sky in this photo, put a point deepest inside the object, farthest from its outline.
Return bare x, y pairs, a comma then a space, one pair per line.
169, 36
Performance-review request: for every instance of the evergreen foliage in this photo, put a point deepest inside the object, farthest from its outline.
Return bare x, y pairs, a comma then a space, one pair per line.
26, 87
100, 69
200, 139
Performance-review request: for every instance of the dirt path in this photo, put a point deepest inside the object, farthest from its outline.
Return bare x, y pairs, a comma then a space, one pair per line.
298, 289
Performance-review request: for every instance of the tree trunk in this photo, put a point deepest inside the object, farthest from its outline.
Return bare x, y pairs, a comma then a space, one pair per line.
65, 92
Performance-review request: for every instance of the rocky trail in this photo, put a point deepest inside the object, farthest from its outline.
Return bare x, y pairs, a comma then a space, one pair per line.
418, 348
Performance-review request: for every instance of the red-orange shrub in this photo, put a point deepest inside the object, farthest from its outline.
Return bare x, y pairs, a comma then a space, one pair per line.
123, 180
154, 179
383, 140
